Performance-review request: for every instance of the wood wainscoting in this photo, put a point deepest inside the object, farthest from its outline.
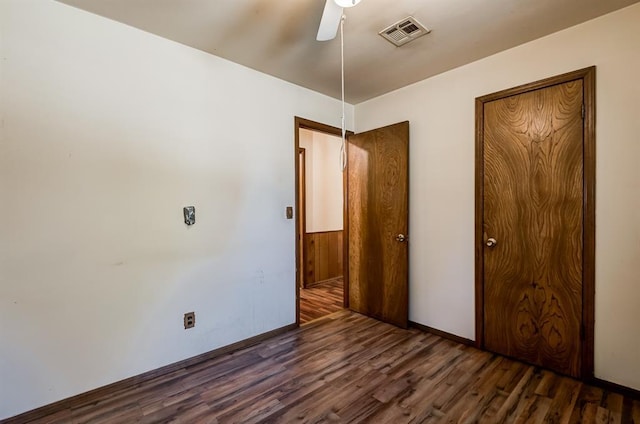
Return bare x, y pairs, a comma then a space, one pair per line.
323, 256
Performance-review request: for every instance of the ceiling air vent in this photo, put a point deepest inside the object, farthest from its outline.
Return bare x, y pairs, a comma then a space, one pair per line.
403, 31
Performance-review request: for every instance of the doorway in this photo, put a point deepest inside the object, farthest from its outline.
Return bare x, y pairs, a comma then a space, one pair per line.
375, 242
535, 222
320, 217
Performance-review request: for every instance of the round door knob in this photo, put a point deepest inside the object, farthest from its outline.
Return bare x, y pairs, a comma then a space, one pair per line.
491, 242
401, 238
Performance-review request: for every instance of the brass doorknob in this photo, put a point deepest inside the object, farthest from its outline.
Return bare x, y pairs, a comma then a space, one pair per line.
491, 242
401, 238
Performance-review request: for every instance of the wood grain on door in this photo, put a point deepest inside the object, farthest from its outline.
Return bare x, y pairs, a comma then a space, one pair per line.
533, 209
378, 209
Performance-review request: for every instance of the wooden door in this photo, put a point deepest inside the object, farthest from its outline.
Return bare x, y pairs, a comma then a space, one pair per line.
533, 224
377, 223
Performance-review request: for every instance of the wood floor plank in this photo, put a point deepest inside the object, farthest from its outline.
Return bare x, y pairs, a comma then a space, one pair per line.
589, 413
514, 396
535, 410
602, 415
587, 405
469, 405
563, 402
432, 383
348, 368
613, 402
547, 385
635, 412
526, 398
321, 299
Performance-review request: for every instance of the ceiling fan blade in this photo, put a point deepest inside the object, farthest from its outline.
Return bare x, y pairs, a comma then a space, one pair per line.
330, 21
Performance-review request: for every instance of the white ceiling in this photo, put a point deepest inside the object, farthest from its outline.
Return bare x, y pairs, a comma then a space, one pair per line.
277, 37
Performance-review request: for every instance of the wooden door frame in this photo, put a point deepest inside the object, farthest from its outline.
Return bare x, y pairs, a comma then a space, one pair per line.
588, 77
300, 123
301, 221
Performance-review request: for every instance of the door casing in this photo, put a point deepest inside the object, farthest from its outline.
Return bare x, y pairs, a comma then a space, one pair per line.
588, 76
301, 219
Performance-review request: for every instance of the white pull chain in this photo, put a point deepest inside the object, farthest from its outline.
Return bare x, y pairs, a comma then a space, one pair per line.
343, 148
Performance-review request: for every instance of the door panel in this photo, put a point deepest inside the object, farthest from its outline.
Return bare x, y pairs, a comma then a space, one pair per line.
533, 208
378, 209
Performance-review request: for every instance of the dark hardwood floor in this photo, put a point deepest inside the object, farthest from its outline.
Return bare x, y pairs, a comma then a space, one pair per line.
321, 299
350, 368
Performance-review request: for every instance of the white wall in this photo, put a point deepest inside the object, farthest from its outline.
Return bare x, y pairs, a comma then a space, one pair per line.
323, 180
441, 111
106, 133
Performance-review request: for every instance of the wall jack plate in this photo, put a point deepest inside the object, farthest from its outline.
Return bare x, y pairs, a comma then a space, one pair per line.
189, 320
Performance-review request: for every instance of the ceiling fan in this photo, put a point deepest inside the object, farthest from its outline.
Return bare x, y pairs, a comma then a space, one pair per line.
331, 18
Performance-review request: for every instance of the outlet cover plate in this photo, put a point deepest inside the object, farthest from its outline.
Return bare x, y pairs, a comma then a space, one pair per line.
189, 320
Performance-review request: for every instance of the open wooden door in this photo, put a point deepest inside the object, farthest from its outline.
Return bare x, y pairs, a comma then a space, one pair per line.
377, 223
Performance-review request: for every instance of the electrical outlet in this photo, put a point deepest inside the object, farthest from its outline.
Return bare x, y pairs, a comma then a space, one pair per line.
189, 320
